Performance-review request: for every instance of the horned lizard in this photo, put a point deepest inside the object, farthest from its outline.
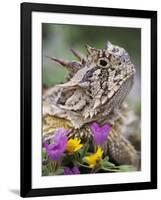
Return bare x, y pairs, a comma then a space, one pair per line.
95, 91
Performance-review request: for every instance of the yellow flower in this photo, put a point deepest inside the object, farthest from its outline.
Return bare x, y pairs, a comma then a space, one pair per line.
73, 145
93, 159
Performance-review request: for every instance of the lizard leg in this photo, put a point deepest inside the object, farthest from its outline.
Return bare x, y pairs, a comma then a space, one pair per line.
121, 150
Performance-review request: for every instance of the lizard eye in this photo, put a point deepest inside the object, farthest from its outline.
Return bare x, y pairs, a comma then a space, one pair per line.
103, 62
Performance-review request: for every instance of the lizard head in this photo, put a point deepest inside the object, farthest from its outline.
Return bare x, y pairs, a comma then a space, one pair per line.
98, 83
111, 58
105, 70
103, 74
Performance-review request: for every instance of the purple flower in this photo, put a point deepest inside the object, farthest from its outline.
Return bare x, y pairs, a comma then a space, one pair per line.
56, 148
71, 171
100, 133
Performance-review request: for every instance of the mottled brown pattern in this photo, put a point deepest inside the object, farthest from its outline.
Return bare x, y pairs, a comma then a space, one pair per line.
97, 87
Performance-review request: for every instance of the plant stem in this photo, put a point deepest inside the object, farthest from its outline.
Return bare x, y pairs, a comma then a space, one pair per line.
110, 170
80, 164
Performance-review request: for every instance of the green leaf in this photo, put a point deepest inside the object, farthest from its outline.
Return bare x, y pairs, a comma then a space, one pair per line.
110, 169
83, 151
106, 159
126, 168
45, 171
44, 154
60, 171
106, 164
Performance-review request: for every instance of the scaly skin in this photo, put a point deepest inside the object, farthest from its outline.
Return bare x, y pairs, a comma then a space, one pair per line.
96, 90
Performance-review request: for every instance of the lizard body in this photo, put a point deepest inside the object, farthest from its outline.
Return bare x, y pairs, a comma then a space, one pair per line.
97, 87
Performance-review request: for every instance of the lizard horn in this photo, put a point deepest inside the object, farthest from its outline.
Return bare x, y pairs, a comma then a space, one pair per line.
70, 65
108, 44
91, 50
77, 54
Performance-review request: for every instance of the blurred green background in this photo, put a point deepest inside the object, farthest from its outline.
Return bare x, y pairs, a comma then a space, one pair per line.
58, 39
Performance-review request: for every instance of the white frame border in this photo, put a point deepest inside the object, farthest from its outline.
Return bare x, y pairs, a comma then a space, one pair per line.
39, 181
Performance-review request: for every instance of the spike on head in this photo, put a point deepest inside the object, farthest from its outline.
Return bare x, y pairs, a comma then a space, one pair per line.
59, 61
108, 45
72, 66
78, 55
88, 48
91, 50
